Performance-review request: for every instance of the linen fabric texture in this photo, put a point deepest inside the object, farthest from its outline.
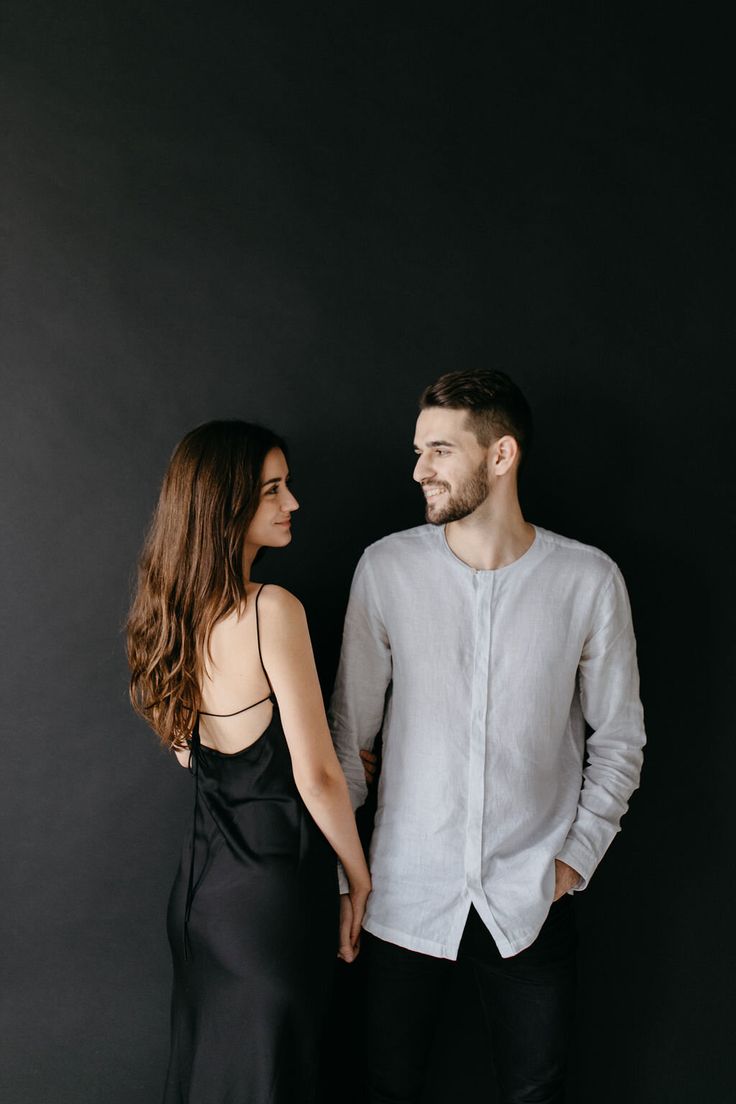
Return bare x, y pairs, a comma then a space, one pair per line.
482, 683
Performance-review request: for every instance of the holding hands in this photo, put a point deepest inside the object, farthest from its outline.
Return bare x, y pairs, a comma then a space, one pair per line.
352, 904
352, 909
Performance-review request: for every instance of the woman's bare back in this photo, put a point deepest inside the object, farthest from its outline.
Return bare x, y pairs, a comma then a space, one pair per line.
236, 706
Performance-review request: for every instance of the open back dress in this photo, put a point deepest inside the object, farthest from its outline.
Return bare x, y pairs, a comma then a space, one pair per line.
252, 923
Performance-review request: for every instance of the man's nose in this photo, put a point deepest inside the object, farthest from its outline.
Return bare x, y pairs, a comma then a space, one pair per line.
422, 470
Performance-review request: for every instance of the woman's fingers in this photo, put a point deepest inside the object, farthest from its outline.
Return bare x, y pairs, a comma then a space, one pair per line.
345, 941
352, 910
358, 903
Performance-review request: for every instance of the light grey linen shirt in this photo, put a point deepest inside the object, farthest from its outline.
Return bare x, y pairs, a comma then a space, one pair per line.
482, 682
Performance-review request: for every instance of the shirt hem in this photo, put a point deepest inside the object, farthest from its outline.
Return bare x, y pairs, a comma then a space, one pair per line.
412, 942
507, 946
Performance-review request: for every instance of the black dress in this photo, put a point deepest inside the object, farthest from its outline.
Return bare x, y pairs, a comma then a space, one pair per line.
252, 924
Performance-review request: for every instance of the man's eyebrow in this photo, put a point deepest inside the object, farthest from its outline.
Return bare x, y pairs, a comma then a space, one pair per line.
437, 444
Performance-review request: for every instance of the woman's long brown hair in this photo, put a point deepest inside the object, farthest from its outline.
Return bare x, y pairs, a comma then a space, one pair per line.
191, 569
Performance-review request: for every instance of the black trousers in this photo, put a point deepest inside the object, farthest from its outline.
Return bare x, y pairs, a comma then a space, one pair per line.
527, 1001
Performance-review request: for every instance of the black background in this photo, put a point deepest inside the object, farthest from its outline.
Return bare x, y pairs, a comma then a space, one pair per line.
302, 215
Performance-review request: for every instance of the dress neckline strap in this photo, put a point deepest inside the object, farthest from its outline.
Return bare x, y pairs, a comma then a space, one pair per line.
270, 695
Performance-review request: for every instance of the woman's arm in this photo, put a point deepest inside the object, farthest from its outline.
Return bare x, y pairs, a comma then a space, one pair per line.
287, 656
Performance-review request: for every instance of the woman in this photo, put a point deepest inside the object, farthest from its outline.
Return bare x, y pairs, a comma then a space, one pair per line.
222, 669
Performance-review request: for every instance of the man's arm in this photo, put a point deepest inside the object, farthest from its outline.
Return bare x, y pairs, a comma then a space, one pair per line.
363, 677
609, 695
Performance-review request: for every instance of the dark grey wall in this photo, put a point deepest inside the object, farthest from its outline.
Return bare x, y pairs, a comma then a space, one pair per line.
302, 217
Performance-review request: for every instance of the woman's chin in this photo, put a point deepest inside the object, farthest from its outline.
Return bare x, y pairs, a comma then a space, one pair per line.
282, 539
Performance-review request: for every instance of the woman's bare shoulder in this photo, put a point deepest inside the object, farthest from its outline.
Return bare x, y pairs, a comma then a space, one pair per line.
278, 601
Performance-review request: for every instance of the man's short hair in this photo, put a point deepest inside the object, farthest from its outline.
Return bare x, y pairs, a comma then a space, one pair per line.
494, 404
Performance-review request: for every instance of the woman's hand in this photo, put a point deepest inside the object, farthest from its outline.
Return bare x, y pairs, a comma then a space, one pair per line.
352, 910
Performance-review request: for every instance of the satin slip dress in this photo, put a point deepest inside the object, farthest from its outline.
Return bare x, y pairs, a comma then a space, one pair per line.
252, 924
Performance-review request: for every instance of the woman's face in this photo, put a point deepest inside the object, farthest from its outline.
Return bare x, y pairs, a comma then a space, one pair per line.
271, 524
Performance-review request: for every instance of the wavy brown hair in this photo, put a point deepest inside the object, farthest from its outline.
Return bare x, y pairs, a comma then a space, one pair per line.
494, 404
190, 573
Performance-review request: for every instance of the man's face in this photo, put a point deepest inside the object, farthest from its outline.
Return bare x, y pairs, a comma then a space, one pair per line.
451, 466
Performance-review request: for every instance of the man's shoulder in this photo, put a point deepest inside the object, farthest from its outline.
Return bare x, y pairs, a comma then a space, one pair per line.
396, 546
575, 554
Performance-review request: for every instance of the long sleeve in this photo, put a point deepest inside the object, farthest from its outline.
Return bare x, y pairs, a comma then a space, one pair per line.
363, 677
485, 779
608, 681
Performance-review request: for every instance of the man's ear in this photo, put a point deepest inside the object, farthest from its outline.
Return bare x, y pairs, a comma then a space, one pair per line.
505, 454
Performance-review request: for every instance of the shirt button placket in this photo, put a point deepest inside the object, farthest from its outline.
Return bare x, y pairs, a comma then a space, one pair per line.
483, 587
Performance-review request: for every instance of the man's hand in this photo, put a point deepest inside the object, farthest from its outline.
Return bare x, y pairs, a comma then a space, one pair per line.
369, 760
565, 878
352, 909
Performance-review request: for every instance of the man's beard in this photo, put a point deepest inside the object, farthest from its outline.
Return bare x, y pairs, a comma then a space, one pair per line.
468, 498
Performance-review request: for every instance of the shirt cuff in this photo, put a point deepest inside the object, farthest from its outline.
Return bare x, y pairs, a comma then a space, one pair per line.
579, 858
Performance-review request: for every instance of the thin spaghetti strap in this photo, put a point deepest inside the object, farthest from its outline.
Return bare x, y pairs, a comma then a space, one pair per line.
258, 638
204, 713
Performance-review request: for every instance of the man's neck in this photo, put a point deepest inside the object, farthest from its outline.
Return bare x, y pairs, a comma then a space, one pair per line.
487, 540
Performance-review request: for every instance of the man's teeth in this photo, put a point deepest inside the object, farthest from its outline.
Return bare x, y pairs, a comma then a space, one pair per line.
430, 492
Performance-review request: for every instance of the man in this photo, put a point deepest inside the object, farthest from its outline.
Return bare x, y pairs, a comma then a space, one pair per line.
480, 645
